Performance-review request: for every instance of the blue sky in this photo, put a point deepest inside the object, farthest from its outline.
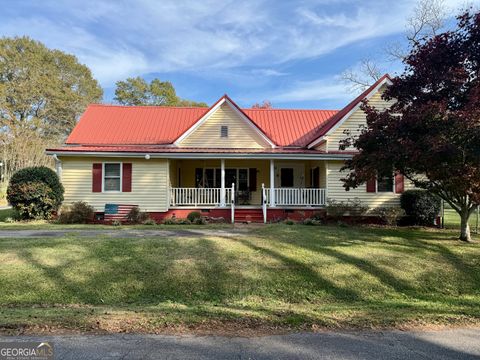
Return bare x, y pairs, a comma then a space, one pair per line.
289, 52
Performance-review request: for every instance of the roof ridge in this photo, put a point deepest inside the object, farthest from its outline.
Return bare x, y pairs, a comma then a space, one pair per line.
148, 106
289, 109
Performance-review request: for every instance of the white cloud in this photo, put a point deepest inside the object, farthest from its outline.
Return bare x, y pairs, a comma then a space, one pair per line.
330, 89
117, 39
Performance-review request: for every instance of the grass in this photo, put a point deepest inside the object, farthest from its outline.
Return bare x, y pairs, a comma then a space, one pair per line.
452, 220
270, 277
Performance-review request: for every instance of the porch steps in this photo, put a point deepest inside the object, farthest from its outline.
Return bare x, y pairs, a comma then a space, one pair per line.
248, 215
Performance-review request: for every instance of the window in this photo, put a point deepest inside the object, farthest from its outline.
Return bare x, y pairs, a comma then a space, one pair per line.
242, 179
112, 177
224, 131
385, 183
286, 177
211, 178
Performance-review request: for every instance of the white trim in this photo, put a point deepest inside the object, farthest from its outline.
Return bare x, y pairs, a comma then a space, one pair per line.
186, 155
356, 107
205, 117
318, 141
103, 177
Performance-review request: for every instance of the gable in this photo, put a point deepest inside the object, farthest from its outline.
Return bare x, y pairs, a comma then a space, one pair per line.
241, 134
354, 122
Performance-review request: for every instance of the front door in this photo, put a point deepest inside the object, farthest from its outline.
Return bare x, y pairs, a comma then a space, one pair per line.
291, 176
230, 177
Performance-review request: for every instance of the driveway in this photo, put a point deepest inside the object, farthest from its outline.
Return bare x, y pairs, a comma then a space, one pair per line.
449, 344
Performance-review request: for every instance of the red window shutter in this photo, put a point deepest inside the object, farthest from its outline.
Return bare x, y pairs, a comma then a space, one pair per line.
399, 183
127, 177
372, 185
97, 177
253, 179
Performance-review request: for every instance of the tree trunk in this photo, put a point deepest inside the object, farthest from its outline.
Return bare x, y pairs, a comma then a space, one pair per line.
464, 226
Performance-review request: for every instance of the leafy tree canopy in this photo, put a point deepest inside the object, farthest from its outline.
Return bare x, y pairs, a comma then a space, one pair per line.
137, 91
41, 89
432, 132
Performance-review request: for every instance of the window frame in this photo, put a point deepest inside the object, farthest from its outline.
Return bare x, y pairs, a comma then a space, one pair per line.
104, 175
388, 191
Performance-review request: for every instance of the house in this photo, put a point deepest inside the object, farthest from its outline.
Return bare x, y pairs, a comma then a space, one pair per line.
223, 161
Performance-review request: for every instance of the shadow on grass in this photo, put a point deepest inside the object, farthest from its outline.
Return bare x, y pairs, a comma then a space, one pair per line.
196, 278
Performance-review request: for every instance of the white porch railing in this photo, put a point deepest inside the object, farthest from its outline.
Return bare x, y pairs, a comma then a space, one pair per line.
198, 196
298, 196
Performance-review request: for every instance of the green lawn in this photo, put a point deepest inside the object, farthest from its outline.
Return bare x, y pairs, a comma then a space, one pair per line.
269, 277
452, 220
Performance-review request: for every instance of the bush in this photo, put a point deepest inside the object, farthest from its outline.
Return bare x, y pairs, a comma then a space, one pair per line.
390, 215
421, 207
193, 216
351, 207
200, 221
135, 216
289, 222
41, 174
149, 221
31, 200
35, 193
312, 221
77, 213
116, 222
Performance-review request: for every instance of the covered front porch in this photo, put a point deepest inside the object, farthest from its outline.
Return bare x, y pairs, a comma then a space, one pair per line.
221, 183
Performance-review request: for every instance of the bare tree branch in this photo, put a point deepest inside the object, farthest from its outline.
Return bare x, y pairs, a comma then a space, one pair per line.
427, 19
362, 78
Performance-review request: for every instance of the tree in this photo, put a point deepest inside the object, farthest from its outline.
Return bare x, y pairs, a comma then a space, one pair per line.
137, 91
42, 94
427, 19
42, 89
431, 134
265, 105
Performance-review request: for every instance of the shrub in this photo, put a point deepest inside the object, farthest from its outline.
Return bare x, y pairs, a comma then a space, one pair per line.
350, 207
77, 213
289, 222
390, 215
31, 200
149, 221
193, 216
135, 216
200, 221
116, 222
41, 174
35, 192
421, 207
312, 221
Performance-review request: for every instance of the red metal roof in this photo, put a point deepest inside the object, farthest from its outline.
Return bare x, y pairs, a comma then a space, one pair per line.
290, 127
149, 125
127, 125
115, 125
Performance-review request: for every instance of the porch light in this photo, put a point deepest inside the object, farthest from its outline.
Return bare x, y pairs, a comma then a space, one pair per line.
147, 157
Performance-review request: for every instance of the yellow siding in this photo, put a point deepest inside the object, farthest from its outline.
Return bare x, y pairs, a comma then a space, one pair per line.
355, 120
150, 180
336, 191
240, 134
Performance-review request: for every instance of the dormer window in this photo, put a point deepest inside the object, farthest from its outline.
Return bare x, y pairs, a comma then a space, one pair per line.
224, 131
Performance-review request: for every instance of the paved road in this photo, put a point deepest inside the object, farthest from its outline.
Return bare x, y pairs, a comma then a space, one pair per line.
452, 344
